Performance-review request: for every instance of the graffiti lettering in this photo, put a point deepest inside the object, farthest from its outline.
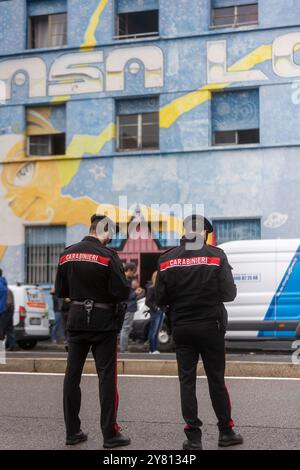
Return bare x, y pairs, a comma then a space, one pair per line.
79, 72
75, 73
82, 78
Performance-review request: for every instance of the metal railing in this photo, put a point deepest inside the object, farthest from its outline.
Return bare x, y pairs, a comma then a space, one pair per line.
137, 36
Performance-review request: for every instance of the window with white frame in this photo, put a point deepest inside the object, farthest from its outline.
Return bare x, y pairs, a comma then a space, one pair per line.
43, 245
237, 229
47, 31
46, 137
235, 15
137, 19
235, 117
137, 124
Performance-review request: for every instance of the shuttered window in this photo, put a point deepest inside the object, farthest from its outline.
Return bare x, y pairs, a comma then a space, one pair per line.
46, 130
43, 246
237, 229
232, 13
235, 117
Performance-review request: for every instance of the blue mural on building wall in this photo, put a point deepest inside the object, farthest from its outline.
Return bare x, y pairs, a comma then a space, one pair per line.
182, 70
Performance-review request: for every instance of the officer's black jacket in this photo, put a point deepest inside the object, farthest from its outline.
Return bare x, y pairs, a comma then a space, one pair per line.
90, 270
194, 283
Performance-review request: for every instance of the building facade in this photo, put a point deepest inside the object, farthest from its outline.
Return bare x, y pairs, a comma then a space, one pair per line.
159, 101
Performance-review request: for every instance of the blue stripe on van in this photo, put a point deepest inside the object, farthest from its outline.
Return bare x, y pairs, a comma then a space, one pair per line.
285, 304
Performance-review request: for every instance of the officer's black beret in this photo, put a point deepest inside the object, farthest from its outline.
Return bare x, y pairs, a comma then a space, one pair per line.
191, 219
100, 217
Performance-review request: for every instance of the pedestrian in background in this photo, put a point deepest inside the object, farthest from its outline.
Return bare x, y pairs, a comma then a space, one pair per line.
56, 328
9, 331
140, 292
156, 315
130, 272
65, 307
3, 303
298, 331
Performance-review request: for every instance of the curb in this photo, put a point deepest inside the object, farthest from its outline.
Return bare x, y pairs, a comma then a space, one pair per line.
155, 367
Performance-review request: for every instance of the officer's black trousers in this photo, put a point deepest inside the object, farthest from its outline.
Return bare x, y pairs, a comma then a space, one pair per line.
206, 339
104, 349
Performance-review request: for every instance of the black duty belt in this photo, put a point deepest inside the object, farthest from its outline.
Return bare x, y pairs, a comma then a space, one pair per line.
90, 304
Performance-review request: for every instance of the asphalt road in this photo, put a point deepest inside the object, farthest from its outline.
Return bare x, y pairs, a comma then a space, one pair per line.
266, 412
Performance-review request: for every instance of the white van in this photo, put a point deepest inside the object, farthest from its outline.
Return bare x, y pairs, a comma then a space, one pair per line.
267, 275
31, 322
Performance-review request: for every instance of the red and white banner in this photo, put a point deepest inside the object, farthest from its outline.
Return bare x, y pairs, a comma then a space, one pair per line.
187, 262
87, 257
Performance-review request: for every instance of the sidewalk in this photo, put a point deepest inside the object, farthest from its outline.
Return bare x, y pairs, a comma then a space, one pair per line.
161, 366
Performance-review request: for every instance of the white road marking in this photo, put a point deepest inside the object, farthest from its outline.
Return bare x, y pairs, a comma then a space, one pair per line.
149, 376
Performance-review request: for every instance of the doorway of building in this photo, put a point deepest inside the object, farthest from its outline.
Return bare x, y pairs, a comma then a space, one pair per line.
148, 266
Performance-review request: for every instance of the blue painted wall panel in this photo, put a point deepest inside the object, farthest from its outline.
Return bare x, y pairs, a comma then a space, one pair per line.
13, 26
235, 110
280, 113
278, 13
184, 18
46, 7
262, 181
126, 6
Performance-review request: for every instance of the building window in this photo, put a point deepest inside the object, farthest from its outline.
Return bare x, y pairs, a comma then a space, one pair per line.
47, 31
45, 130
43, 246
137, 19
227, 230
44, 145
236, 15
242, 137
137, 125
235, 117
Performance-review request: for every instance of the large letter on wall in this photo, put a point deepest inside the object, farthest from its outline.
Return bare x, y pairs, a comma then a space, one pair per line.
150, 56
33, 68
72, 75
284, 48
217, 71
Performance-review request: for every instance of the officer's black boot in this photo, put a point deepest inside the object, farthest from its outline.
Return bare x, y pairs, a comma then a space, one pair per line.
76, 438
194, 438
119, 440
229, 438
192, 445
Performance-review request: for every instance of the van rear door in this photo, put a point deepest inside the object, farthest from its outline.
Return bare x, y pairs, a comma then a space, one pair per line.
254, 271
36, 311
287, 298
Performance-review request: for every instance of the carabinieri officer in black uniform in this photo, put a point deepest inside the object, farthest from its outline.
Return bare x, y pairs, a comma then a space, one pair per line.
194, 282
92, 276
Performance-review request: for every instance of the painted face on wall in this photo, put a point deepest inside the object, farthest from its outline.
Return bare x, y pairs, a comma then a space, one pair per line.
30, 186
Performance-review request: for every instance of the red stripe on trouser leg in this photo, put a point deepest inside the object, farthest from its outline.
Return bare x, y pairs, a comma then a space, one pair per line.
186, 427
231, 423
116, 394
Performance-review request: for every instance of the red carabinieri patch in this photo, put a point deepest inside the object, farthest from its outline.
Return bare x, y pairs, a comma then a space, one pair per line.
87, 257
186, 262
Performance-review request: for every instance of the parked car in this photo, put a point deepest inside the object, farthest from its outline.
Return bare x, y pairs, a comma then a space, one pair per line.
141, 324
31, 322
267, 275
